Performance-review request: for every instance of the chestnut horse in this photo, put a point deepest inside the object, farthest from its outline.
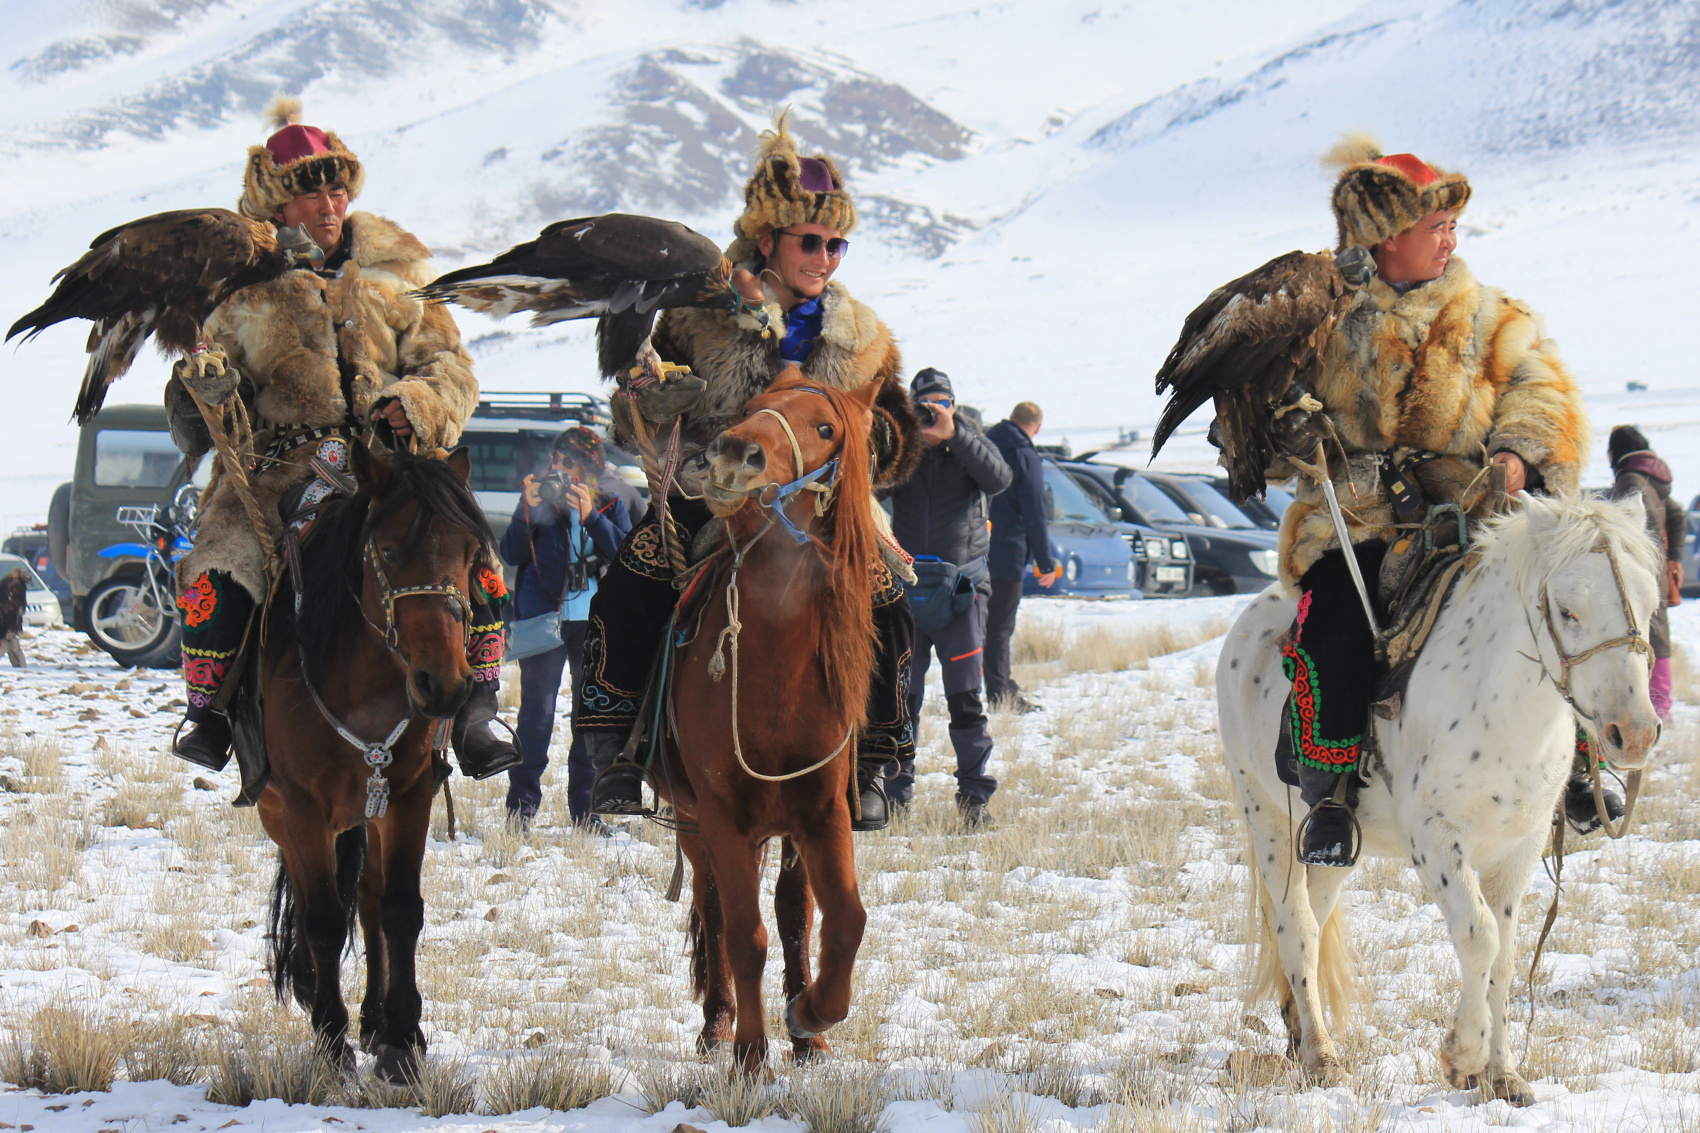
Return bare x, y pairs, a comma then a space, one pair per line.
767, 697
359, 686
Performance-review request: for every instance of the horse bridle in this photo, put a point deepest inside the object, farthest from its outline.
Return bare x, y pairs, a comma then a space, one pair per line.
823, 481
388, 594
1635, 642
379, 754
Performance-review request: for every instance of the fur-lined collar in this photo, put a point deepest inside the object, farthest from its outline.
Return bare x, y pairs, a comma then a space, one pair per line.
1429, 297
845, 323
381, 243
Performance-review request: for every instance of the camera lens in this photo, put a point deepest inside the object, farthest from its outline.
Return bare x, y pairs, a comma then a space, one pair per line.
926, 414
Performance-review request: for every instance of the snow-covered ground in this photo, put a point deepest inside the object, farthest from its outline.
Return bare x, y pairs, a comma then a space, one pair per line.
1088, 950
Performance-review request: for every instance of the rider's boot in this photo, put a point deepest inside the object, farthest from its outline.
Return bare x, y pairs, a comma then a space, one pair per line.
1579, 808
1329, 833
215, 610
483, 745
619, 782
880, 753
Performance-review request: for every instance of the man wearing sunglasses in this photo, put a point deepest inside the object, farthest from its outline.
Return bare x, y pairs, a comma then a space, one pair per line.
790, 241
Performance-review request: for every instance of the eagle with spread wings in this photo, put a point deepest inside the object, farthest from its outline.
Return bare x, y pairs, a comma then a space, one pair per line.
618, 268
160, 276
1255, 346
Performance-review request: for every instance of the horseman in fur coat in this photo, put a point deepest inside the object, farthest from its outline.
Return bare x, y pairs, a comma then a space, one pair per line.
790, 240
322, 358
1429, 372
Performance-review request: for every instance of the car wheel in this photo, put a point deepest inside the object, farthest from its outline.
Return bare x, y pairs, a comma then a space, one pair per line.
59, 529
1214, 584
124, 620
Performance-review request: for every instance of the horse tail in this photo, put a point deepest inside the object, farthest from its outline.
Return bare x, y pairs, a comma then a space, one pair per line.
291, 966
1336, 960
699, 956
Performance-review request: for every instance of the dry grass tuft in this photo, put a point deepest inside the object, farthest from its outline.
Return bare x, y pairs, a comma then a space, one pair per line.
840, 1098
61, 1050
737, 1098
446, 1086
166, 1049
553, 1079
663, 1081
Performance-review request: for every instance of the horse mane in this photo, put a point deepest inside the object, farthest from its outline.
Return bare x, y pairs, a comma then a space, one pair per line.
333, 561
851, 555
1546, 535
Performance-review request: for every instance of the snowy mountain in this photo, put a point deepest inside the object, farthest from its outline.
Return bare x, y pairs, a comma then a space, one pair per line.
1047, 185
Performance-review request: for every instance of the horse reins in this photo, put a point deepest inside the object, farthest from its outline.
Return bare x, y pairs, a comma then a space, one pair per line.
824, 492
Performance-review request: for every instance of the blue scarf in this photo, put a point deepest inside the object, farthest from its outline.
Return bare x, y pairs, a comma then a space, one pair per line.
802, 326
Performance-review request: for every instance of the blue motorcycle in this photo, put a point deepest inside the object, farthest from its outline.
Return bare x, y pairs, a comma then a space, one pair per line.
133, 615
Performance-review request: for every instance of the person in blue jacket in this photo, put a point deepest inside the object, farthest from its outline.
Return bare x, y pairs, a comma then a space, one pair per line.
1019, 536
559, 547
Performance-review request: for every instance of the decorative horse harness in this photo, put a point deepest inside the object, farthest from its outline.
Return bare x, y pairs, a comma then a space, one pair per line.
331, 464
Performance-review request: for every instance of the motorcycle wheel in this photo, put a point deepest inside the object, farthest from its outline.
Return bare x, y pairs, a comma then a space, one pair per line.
124, 620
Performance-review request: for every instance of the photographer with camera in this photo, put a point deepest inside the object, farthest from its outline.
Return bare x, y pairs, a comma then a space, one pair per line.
563, 532
939, 515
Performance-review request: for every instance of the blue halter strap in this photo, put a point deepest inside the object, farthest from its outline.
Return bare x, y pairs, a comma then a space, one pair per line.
821, 481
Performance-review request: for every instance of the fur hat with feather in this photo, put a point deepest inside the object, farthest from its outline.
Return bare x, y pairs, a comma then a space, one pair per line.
1378, 195
788, 189
295, 160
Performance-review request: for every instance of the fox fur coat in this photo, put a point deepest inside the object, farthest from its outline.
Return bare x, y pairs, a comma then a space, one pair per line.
1450, 367
292, 339
853, 348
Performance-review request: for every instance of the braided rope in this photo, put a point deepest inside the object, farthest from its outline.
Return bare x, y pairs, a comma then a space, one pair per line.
234, 462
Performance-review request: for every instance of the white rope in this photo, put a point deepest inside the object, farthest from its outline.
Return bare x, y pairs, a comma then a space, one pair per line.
717, 669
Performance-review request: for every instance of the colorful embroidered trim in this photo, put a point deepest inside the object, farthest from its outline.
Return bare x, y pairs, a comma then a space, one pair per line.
602, 705
1306, 705
203, 673
643, 553
200, 601
484, 650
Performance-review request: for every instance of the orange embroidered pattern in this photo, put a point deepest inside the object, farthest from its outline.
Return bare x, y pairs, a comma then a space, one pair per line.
491, 583
199, 602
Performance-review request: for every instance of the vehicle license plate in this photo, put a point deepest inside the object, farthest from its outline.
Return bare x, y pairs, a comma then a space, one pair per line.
1171, 574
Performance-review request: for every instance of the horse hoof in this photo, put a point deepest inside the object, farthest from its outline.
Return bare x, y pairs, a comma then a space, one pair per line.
809, 1049
796, 1029
1456, 1076
368, 1040
1326, 1071
397, 1065
1508, 1088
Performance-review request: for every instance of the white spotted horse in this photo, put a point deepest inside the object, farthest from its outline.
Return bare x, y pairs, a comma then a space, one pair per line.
1547, 625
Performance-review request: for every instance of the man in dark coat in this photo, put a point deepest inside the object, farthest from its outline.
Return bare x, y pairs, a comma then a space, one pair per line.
940, 512
558, 546
1018, 536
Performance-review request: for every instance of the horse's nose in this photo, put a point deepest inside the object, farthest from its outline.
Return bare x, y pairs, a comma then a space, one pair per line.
748, 456
1629, 738
429, 687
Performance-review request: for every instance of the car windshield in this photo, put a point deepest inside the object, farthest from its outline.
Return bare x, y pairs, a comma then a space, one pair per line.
10, 563
1218, 508
135, 458
501, 458
1069, 501
1153, 503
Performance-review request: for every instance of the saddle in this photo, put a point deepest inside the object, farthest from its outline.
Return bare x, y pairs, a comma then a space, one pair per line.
1418, 573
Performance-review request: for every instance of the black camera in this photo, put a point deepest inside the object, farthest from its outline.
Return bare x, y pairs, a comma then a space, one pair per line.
927, 415
552, 486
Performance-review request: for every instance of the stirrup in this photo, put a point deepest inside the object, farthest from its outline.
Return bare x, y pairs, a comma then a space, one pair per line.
608, 794
1341, 855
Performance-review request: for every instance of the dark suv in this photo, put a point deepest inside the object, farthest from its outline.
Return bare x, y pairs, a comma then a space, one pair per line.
1222, 559
125, 458
1246, 554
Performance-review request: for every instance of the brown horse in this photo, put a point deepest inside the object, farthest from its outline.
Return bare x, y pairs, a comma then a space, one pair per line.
767, 697
358, 687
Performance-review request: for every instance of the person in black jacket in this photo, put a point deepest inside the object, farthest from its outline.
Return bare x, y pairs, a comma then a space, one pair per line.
1019, 536
941, 512
558, 547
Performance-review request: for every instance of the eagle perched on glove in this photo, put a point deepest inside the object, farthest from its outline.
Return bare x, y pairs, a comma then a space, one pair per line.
1255, 345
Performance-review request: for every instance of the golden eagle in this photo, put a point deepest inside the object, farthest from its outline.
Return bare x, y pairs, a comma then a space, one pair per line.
619, 269
1246, 344
162, 275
